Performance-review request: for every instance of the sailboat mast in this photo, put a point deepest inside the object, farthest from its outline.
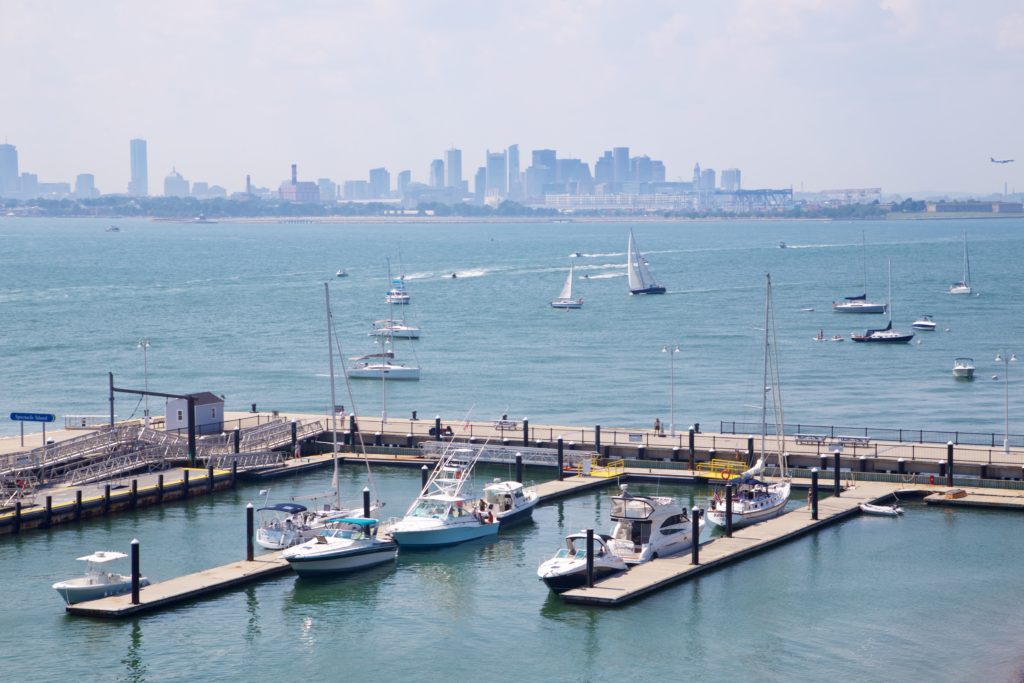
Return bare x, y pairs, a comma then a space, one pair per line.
864, 258
967, 263
764, 379
889, 294
334, 403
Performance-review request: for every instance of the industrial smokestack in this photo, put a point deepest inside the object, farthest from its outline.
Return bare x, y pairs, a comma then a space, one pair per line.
295, 175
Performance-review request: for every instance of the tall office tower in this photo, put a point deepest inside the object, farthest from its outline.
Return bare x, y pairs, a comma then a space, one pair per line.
515, 185
380, 183
657, 171
85, 186
640, 169
8, 170
696, 177
544, 157
328, 189
731, 180
621, 158
404, 178
497, 172
175, 185
480, 185
604, 168
437, 173
453, 166
707, 180
139, 185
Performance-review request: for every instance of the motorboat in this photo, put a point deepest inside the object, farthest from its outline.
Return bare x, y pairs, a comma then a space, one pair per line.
884, 335
283, 525
755, 499
397, 294
341, 273
782, 245
575, 254
964, 285
394, 329
568, 568
113, 228
881, 510
925, 322
859, 303
640, 279
837, 337
649, 527
444, 512
97, 582
346, 545
819, 337
565, 299
509, 501
963, 368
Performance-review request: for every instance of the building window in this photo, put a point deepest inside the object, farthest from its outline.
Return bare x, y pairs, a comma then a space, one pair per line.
213, 413
181, 416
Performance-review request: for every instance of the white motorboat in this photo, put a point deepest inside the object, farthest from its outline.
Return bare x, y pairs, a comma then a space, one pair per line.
346, 545
649, 527
640, 279
884, 335
113, 228
509, 501
925, 322
397, 294
963, 368
756, 500
341, 273
394, 329
568, 568
964, 285
881, 510
859, 303
97, 582
565, 299
444, 514
283, 525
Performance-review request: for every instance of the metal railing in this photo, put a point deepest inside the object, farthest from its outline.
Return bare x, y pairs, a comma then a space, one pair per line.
920, 436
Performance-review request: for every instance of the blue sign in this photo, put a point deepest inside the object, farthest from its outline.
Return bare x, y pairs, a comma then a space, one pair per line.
33, 417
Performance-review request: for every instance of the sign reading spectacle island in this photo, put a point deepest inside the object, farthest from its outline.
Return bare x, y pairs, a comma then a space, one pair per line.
33, 417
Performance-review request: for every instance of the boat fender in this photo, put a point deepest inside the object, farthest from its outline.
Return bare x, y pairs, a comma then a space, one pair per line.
725, 474
931, 479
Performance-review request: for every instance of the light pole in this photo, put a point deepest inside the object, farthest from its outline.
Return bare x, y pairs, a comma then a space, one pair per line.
1006, 360
144, 345
671, 350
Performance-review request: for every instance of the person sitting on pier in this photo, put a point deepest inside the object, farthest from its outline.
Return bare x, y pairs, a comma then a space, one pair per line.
448, 431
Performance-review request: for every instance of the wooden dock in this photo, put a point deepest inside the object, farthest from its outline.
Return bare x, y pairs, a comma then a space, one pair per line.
656, 574
183, 588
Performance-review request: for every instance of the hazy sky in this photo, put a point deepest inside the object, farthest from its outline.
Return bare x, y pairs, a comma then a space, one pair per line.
909, 95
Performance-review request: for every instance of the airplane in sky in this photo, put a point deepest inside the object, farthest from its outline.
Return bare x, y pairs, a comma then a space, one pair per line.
1000, 161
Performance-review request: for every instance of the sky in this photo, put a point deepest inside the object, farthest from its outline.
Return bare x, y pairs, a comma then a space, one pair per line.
911, 96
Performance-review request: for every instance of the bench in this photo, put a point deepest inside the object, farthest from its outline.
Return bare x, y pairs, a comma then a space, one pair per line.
506, 424
852, 440
811, 439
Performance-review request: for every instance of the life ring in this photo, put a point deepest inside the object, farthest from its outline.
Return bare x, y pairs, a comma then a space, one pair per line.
725, 474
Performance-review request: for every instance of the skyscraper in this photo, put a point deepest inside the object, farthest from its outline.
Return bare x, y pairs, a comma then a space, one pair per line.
453, 166
404, 178
731, 179
437, 173
139, 185
85, 186
497, 173
707, 180
514, 180
8, 170
380, 183
621, 161
604, 168
175, 185
480, 185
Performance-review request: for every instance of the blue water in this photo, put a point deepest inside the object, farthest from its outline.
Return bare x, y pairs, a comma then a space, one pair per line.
238, 310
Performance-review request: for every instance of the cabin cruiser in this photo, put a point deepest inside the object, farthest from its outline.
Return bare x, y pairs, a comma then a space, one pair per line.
568, 568
649, 527
925, 322
509, 501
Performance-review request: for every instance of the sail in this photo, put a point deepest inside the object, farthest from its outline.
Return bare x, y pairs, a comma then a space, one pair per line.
639, 275
566, 292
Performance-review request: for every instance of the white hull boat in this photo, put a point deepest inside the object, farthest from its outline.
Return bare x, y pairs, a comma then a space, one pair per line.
383, 370
964, 286
640, 279
963, 368
394, 329
97, 583
755, 502
881, 510
509, 501
565, 299
860, 303
925, 322
283, 525
649, 527
348, 545
568, 568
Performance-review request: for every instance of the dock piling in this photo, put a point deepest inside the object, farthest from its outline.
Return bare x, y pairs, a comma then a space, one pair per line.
437, 427
48, 514
209, 478
590, 558
352, 427
836, 489
695, 536
750, 450
17, 517
640, 452
561, 460
135, 494
366, 502
424, 475
234, 473
728, 510
901, 465
949, 463
135, 571
692, 452
526, 432
597, 438
106, 499
519, 467
249, 550
814, 493
863, 462
238, 440
184, 485
78, 505
295, 434
408, 440
160, 488
378, 438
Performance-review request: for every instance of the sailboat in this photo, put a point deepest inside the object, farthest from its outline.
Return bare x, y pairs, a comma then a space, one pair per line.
885, 335
382, 365
859, 303
757, 500
964, 286
565, 299
640, 279
392, 327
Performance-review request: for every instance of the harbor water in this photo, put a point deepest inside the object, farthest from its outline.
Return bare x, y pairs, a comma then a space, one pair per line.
238, 310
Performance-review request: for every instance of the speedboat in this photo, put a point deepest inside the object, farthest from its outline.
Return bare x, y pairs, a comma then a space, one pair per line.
882, 510
925, 322
113, 228
97, 582
963, 368
341, 273
782, 245
568, 568
837, 337
444, 514
346, 545
282, 525
394, 329
509, 501
649, 527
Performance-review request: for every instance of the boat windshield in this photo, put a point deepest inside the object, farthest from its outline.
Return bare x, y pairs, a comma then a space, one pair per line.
431, 508
631, 508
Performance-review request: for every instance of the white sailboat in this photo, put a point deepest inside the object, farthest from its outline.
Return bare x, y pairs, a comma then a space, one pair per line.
640, 279
885, 335
382, 365
964, 286
565, 299
757, 500
859, 303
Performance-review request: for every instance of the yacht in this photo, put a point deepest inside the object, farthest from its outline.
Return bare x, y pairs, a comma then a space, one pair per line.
964, 285
565, 299
884, 335
963, 368
341, 273
649, 527
346, 545
97, 582
381, 366
394, 329
568, 568
640, 279
859, 303
925, 322
509, 501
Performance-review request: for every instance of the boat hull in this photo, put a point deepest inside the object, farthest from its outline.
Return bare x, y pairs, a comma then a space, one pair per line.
83, 590
963, 373
522, 514
572, 303
561, 580
894, 339
858, 308
443, 536
407, 374
742, 516
343, 561
658, 289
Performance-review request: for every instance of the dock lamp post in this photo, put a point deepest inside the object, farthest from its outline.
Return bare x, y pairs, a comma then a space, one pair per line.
1006, 360
144, 345
671, 350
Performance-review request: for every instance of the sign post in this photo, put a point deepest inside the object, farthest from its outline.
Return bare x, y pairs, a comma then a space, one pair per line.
33, 417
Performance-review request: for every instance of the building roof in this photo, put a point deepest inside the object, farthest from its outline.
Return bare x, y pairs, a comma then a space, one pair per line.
205, 398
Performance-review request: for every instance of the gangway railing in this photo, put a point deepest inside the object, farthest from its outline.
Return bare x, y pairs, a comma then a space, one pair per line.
507, 454
245, 461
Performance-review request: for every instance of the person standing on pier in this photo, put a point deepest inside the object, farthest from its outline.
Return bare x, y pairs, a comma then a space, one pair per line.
657, 426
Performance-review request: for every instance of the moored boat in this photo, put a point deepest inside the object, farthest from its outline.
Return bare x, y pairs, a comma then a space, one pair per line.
964, 285
346, 545
649, 527
963, 368
925, 322
881, 510
97, 582
509, 501
568, 568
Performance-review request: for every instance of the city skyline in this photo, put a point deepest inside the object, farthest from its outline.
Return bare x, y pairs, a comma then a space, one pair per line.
794, 92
